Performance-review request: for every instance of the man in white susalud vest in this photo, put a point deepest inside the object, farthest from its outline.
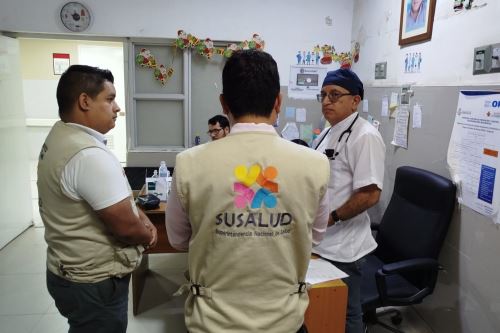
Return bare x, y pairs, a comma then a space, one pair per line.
248, 209
356, 153
95, 234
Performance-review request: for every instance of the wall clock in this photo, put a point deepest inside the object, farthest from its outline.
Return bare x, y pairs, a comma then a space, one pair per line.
75, 16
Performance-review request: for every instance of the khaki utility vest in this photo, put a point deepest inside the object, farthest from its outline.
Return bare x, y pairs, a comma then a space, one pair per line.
251, 199
80, 247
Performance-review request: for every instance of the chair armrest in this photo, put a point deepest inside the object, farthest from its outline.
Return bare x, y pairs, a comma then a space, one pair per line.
420, 264
427, 268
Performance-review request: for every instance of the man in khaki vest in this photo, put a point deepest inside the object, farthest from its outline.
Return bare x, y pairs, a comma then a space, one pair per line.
248, 209
94, 232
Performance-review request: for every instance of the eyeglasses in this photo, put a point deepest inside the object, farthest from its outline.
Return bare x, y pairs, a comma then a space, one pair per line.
214, 131
332, 96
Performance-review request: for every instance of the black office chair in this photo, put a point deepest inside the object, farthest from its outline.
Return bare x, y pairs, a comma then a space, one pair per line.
403, 269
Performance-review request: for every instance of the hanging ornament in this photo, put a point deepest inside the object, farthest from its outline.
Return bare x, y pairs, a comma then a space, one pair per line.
162, 74
327, 54
355, 51
230, 49
145, 59
256, 42
182, 40
206, 48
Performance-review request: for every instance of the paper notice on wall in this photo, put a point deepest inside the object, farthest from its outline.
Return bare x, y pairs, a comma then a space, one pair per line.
394, 100
385, 107
300, 115
400, 137
417, 116
289, 112
290, 131
473, 152
305, 81
306, 132
365, 105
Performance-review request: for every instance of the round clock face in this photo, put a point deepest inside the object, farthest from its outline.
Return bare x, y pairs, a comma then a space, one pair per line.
75, 16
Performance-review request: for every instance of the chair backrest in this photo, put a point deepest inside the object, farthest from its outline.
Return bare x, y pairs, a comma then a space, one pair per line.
416, 220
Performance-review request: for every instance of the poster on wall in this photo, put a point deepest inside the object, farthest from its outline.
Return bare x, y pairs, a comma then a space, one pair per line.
473, 152
60, 62
305, 81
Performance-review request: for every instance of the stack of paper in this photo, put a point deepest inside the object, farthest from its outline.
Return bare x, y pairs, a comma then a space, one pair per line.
321, 271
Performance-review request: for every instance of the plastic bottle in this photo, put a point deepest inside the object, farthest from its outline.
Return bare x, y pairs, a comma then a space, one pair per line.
163, 170
162, 183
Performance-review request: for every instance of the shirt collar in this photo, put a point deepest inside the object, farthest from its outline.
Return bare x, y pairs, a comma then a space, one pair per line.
252, 127
99, 136
345, 122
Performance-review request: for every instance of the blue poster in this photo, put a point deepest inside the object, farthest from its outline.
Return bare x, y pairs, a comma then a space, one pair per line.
486, 183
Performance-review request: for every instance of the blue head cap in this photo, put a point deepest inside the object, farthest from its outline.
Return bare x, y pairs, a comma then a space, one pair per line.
345, 78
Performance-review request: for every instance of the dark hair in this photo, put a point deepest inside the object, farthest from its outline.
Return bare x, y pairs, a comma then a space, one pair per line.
300, 142
250, 83
223, 121
79, 79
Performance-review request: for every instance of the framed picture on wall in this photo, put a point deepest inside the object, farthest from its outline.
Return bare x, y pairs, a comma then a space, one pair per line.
416, 21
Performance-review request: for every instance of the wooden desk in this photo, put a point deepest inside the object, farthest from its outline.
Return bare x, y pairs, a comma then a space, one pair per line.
327, 301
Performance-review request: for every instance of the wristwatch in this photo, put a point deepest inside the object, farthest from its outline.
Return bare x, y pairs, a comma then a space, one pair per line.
335, 217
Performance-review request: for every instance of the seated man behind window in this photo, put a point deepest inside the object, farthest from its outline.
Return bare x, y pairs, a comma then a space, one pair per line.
218, 127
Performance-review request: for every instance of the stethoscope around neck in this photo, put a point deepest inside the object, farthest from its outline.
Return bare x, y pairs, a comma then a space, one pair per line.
332, 153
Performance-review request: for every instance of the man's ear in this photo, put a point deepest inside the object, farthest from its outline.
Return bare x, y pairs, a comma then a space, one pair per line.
355, 102
84, 102
225, 108
277, 103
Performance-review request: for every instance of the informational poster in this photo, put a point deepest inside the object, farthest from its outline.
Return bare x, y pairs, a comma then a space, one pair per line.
417, 116
400, 137
306, 132
60, 62
473, 152
290, 112
365, 105
290, 131
385, 107
305, 81
300, 115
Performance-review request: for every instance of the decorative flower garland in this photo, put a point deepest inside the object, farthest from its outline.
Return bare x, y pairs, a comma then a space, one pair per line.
205, 48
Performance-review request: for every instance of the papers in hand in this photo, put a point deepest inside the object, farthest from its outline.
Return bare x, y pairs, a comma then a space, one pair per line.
321, 271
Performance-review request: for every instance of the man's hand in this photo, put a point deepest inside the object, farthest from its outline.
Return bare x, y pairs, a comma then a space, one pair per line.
154, 233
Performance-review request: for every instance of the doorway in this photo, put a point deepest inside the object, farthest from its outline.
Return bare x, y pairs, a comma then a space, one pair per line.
39, 83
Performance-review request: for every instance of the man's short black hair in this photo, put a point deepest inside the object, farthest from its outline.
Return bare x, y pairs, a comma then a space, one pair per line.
250, 83
79, 79
222, 120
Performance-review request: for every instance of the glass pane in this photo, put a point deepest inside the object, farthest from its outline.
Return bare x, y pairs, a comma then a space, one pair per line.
206, 86
160, 123
169, 56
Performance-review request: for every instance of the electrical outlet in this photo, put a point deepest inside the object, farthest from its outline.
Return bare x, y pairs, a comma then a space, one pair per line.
495, 58
381, 70
482, 60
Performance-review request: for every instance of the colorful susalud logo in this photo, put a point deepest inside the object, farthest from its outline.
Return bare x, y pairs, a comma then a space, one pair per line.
250, 177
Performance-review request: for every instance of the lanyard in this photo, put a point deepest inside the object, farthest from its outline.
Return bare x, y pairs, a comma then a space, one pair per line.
332, 153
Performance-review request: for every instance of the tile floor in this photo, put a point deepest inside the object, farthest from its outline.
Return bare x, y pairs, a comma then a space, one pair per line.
26, 307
